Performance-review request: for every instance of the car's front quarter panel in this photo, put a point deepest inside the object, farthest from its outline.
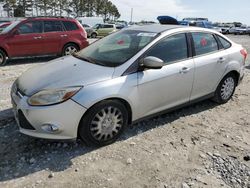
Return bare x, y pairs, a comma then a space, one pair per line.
124, 87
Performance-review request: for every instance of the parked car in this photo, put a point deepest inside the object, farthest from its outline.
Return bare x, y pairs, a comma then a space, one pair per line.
88, 29
241, 30
4, 25
41, 36
123, 78
92, 21
102, 30
226, 29
205, 24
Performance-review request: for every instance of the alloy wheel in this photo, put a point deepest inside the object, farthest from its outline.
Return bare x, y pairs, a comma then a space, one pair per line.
70, 50
1, 58
227, 88
106, 124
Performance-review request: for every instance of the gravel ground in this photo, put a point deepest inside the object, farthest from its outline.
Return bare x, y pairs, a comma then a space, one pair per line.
204, 145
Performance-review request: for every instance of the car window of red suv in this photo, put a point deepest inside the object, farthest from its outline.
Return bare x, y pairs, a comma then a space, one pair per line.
70, 26
52, 26
30, 27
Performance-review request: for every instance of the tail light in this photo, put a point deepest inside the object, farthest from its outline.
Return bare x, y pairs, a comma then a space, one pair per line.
244, 53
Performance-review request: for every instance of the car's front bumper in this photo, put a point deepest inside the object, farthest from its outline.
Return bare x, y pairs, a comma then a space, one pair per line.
36, 121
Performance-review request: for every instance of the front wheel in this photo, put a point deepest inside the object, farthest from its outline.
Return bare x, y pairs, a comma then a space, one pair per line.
226, 88
103, 123
69, 49
3, 58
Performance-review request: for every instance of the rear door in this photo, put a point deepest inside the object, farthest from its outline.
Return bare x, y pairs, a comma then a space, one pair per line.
210, 64
27, 40
53, 37
72, 32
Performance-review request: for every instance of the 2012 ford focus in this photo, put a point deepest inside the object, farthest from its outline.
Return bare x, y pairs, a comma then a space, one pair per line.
123, 78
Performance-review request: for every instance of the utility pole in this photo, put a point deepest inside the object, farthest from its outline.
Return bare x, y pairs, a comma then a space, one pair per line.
131, 18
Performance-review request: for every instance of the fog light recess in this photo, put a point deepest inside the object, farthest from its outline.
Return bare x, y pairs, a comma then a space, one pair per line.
50, 128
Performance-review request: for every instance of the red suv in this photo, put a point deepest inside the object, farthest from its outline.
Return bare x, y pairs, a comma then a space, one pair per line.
41, 36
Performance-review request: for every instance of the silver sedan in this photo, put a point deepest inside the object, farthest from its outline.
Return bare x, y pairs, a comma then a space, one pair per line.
123, 78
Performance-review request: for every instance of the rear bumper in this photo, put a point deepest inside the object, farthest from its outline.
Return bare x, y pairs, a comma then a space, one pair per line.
84, 44
242, 74
34, 121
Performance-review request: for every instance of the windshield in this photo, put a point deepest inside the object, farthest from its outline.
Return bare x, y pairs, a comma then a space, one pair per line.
10, 27
116, 48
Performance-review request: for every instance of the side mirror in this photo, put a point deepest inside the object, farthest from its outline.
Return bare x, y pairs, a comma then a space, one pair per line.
151, 62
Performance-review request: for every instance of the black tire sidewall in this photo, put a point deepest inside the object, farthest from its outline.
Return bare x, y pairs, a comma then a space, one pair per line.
84, 126
4, 57
218, 90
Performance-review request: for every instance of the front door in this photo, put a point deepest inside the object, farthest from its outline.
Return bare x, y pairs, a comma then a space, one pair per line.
172, 84
26, 40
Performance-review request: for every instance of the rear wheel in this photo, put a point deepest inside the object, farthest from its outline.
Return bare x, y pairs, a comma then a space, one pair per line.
3, 58
103, 123
69, 49
226, 88
93, 35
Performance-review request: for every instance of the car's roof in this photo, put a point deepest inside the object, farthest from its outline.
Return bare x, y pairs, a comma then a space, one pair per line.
159, 28
155, 28
51, 18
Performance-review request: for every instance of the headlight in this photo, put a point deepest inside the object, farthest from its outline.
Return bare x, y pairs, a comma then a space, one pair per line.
52, 96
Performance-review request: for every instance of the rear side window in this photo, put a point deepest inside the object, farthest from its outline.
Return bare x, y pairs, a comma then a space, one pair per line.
224, 42
204, 43
70, 26
52, 26
170, 49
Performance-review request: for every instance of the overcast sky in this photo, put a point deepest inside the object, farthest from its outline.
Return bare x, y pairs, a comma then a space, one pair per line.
214, 10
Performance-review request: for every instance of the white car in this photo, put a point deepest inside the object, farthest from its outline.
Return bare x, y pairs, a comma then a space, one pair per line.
130, 75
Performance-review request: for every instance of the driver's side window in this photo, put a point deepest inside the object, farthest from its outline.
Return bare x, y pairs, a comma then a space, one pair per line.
30, 27
170, 49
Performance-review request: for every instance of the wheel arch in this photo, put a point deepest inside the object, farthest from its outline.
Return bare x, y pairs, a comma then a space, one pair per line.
123, 101
1, 48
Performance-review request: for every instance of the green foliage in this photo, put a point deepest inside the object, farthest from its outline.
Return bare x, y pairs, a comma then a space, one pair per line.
104, 8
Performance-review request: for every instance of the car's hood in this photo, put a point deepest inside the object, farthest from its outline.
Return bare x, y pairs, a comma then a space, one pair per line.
63, 72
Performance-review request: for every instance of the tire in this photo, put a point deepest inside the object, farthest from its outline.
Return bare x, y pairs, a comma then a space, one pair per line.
93, 35
3, 58
99, 129
69, 49
225, 89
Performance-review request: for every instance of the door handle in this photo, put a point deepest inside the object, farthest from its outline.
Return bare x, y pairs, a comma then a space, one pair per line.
221, 60
64, 35
39, 37
184, 70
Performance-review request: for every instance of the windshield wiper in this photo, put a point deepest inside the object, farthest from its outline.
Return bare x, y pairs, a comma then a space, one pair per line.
90, 60
84, 58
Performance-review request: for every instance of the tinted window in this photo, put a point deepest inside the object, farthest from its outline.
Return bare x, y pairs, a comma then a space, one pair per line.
70, 26
107, 26
224, 42
31, 27
204, 43
52, 26
173, 48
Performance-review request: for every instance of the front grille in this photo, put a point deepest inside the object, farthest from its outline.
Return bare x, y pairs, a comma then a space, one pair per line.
23, 122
